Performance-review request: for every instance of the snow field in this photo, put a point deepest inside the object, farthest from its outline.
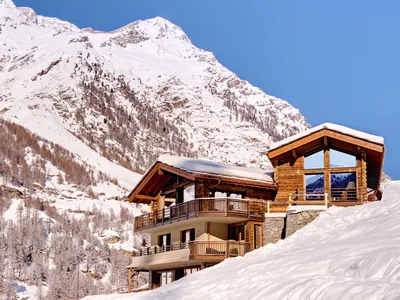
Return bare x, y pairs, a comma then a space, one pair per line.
346, 253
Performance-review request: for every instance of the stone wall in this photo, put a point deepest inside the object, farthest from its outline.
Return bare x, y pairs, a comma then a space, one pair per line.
273, 230
277, 228
296, 221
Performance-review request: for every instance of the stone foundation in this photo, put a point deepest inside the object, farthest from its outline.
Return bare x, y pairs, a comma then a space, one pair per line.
273, 230
296, 221
277, 228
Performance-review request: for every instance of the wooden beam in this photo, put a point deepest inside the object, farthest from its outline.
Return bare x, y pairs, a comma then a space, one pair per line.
321, 134
177, 171
172, 188
294, 154
144, 197
160, 172
331, 170
326, 142
143, 182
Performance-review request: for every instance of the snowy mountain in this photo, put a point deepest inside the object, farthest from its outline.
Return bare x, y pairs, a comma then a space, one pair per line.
124, 97
82, 113
347, 253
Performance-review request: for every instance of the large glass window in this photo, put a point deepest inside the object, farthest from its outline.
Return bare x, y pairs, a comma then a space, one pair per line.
315, 186
339, 159
314, 161
344, 186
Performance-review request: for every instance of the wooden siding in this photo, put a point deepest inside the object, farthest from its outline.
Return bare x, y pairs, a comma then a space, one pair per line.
289, 176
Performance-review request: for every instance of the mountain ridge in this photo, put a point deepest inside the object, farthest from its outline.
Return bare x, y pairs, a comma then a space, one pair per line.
124, 97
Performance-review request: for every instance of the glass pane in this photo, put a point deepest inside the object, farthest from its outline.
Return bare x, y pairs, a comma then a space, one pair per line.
188, 193
315, 186
314, 161
344, 186
339, 159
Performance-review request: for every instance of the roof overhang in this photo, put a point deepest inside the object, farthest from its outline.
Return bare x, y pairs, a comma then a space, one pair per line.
160, 175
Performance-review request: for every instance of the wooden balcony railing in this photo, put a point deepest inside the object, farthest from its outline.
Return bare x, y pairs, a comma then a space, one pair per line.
340, 196
203, 207
201, 250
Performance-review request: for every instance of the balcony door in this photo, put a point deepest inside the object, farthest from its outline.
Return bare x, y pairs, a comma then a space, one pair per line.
164, 241
188, 235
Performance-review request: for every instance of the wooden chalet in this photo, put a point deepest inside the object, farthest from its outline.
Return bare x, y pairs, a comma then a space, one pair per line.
289, 158
202, 212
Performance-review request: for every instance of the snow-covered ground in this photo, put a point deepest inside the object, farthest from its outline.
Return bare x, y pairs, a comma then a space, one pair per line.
347, 253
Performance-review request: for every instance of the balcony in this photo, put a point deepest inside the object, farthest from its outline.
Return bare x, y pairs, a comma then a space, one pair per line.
206, 207
336, 196
188, 253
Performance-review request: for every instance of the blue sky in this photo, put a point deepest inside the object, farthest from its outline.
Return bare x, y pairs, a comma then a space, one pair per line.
337, 61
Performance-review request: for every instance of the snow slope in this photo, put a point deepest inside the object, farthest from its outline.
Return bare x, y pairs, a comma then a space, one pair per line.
347, 253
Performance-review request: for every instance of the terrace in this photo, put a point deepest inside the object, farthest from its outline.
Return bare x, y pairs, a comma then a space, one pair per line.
188, 253
235, 209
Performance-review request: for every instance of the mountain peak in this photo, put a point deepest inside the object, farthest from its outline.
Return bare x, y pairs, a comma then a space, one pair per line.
156, 28
47, 22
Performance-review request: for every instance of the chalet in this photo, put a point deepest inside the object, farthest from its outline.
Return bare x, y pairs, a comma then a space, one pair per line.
203, 212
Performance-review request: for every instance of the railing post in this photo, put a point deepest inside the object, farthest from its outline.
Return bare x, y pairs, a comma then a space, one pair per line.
179, 211
227, 249
326, 200
248, 209
163, 215
226, 207
268, 206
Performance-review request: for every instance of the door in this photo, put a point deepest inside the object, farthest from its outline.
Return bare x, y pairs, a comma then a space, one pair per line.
257, 236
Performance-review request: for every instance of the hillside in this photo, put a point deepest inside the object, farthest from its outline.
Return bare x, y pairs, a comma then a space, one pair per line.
127, 96
347, 253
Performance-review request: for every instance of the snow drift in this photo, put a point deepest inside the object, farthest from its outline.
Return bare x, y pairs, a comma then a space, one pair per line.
347, 253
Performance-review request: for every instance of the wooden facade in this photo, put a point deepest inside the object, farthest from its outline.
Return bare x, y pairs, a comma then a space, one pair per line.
290, 171
223, 226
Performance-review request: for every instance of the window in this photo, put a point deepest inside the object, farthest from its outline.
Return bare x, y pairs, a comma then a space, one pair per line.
344, 186
340, 159
164, 240
314, 161
188, 235
166, 277
315, 186
236, 233
220, 194
189, 193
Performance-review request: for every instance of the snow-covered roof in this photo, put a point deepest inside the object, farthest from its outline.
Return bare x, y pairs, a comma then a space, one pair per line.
200, 166
339, 128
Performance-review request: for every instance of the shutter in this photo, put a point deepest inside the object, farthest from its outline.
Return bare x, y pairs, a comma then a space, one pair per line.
179, 195
183, 236
192, 234
160, 238
168, 239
